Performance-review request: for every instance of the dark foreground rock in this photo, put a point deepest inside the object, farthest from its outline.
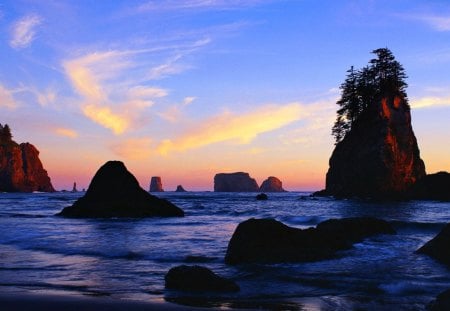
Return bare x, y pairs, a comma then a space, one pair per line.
268, 240
271, 184
262, 197
115, 192
156, 184
235, 182
438, 247
197, 278
180, 189
432, 187
442, 302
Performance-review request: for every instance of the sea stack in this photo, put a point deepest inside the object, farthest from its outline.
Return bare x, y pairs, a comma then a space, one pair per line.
272, 184
115, 192
235, 182
21, 170
74, 189
180, 189
156, 184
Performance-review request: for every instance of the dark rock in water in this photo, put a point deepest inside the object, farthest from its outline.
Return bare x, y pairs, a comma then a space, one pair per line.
115, 192
432, 187
180, 189
196, 279
156, 184
21, 169
268, 240
442, 302
234, 182
379, 156
438, 247
272, 184
262, 197
74, 189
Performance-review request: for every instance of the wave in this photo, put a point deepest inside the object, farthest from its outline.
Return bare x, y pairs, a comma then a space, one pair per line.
417, 226
402, 288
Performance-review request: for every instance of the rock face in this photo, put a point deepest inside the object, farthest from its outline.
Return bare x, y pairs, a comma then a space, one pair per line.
379, 157
438, 247
21, 169
197, 278
156, 184
115, 192
268, 240
180, 189
271, 184
432, 187
235, 182
442, 302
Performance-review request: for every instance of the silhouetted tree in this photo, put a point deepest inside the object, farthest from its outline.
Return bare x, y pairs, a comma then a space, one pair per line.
5, 133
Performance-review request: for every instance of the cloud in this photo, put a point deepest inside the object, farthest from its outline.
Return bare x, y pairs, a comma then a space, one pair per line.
437, 22
188, 100
107, 118
133, 148
6, 98
24, 31
239, 128
176, 5
147, 92
45, 98
65, 132
174, 112
430, 102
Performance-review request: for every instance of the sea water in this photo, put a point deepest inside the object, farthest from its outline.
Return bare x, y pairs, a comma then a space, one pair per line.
128, 258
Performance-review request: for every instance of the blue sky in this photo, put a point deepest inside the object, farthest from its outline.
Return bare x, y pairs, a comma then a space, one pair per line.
187, 89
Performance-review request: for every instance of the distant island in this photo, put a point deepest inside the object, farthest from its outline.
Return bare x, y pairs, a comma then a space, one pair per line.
242, 182
21, 169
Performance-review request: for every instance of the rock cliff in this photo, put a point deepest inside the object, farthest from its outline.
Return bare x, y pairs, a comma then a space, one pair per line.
271, 184
235, 182
21, 169
156, 184
379, 157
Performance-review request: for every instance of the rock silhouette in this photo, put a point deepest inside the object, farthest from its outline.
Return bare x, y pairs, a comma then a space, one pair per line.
235, 182
115, 192
156, 184
271, 184
432, 187
21, 170
268, 240
180, 189
438, 247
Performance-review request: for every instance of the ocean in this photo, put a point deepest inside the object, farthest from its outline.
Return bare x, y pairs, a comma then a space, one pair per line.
128, 258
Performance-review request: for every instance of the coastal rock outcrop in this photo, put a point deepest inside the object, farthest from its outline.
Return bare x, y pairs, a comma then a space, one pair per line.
262, 197
438, 247
268, 240
442, 302
271, 184
379, 156
21, 170
196, 279
156, 184
115, 192
235, 182
180, 189
432, 187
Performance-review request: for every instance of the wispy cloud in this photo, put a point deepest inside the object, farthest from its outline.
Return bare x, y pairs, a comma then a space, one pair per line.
174, 112
24, 31
6, 98
172, 5
66, 132
430, 102
133, 148
435, 21
238, 128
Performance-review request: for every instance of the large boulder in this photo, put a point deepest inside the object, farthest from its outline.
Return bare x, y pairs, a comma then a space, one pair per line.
235, 182
115, 192
156, 184
268, 240
271, 184
379, 156
438, 247
21, 170
432, 187
197, 278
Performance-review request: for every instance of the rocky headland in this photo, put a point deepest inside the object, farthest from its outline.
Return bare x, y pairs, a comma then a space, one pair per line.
156, 184
115, 192
21, 170
235, 182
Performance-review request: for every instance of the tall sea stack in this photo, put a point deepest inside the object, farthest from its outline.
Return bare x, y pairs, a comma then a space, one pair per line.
156, 184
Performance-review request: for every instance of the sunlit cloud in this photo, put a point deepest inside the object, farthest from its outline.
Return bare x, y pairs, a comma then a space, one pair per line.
24, 31
147, 92
171, 67
238, 128
66, 132
175, 112
107, 118
46, 98
6, 98
430, 102
188, 100
133, 148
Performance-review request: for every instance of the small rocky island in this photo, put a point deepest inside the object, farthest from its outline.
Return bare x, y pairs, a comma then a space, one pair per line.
272, 184
21, 170
235, 182
115, 192
156, 184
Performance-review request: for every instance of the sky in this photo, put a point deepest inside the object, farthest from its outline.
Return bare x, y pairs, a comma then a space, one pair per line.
187, 89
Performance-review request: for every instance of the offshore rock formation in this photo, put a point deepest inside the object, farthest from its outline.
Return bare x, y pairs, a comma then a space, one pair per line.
270, 241
115, 192
438, 247
379, 157
180, 189
156, 184
21, 169
271, 184
432, 187
235, 182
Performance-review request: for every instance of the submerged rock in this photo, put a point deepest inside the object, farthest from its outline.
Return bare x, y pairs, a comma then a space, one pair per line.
379, 156
156, 184
262, 197
432, 187
180, 189
272, 184
268, 240
197, 278
438, 247
235, 182
115, 192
